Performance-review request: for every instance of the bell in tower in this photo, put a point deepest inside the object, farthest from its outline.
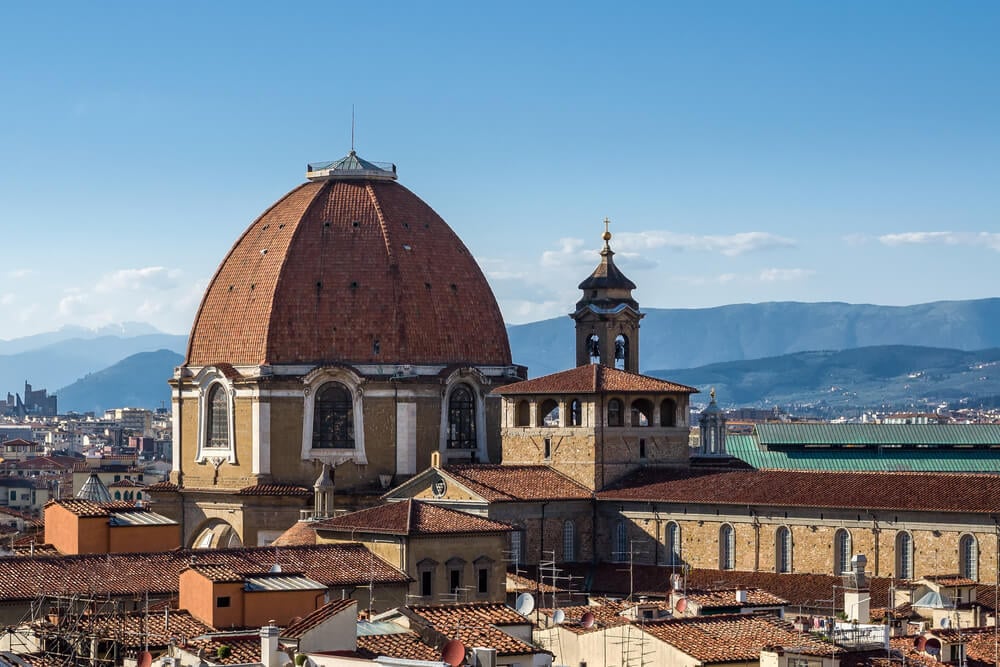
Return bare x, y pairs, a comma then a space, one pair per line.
607, 317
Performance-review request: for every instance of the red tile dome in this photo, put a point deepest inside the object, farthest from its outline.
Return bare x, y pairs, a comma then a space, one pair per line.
349, 270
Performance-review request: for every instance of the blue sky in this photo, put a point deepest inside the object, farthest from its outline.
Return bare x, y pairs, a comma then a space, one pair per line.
745, 152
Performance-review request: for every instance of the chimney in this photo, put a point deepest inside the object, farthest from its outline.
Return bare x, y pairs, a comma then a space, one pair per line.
270, 656
857, 596
741, 596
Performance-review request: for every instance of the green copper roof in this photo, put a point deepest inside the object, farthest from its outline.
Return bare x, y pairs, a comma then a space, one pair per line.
866, 459
878, 435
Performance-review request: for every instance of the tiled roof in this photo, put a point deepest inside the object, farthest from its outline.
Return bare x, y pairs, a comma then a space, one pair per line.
244, 649
799, 589
519, 584
884, 459
877, 435
606, 615
127, 574
980, 647
334, 266
727, 598
512, 483
733, 637
134, 629
219, 574
412, 517
950, 580
275, 490
81, 508
404, 645
788, 488
475, 624
165, 486
300, 533
298, 628
593, 379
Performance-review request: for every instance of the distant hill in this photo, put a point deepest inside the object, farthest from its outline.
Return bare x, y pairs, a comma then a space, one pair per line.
68, 332
60, 363
138, 381
688, 338
897, 376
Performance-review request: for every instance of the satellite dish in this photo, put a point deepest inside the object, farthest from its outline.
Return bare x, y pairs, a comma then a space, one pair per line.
587, 620
681, 605
525, 604
945, 622
453, 653
275, 568
145, 659
558, 616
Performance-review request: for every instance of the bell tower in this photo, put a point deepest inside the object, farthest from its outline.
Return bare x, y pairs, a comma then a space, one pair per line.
607, 317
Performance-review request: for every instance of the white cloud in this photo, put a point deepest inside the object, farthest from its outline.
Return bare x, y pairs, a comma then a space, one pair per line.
730, 245
571, 252
988, 239
775, 275
148, 278
19, 274
6, 299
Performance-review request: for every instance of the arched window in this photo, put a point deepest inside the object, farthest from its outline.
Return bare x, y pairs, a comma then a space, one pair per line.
904, 555
575, 413
727, 547
461, 419
783, 550
615, 416
621, 543
841, 551
522, 414
118, 495
642, 412
672, 542
594, 348
217, 423
548, 413
138, 495
333, 419
968, 557
621, 353
668, 412
569, 541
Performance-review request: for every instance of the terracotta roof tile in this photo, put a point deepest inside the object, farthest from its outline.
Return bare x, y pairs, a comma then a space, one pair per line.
412, 517
512, 483
134, 629
165, 486
607, 614
476, 624
404, 645
593, 379
335, 265
733, 637
790, 488
220, 574
721, 598
275, 490
329, 610
300, 533
244, 649
24, 578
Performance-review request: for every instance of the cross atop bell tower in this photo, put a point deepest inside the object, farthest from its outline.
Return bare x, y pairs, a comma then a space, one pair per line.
607, 317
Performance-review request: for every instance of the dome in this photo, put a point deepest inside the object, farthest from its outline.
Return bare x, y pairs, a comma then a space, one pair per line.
350, 269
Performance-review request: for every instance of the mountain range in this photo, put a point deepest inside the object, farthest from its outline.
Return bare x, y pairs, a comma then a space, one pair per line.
686, 343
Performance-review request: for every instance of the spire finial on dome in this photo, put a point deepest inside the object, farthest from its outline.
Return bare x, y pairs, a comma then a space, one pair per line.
607, 231
712, 394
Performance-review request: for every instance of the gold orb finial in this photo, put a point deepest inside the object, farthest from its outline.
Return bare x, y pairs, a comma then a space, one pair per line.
607, 232
712, 393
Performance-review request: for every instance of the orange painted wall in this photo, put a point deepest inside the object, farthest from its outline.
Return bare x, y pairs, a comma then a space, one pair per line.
281, 606
71, 534
144, 539
198, 595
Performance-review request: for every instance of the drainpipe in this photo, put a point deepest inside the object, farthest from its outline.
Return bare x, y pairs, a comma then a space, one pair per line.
756, 538
876, 532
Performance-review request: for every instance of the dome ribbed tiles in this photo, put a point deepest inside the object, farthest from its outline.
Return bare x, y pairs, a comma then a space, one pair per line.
349, 272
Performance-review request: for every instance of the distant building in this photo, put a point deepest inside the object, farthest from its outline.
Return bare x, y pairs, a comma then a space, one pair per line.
35, 403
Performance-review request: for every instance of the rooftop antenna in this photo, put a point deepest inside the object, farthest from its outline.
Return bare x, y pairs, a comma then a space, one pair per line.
352, 128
